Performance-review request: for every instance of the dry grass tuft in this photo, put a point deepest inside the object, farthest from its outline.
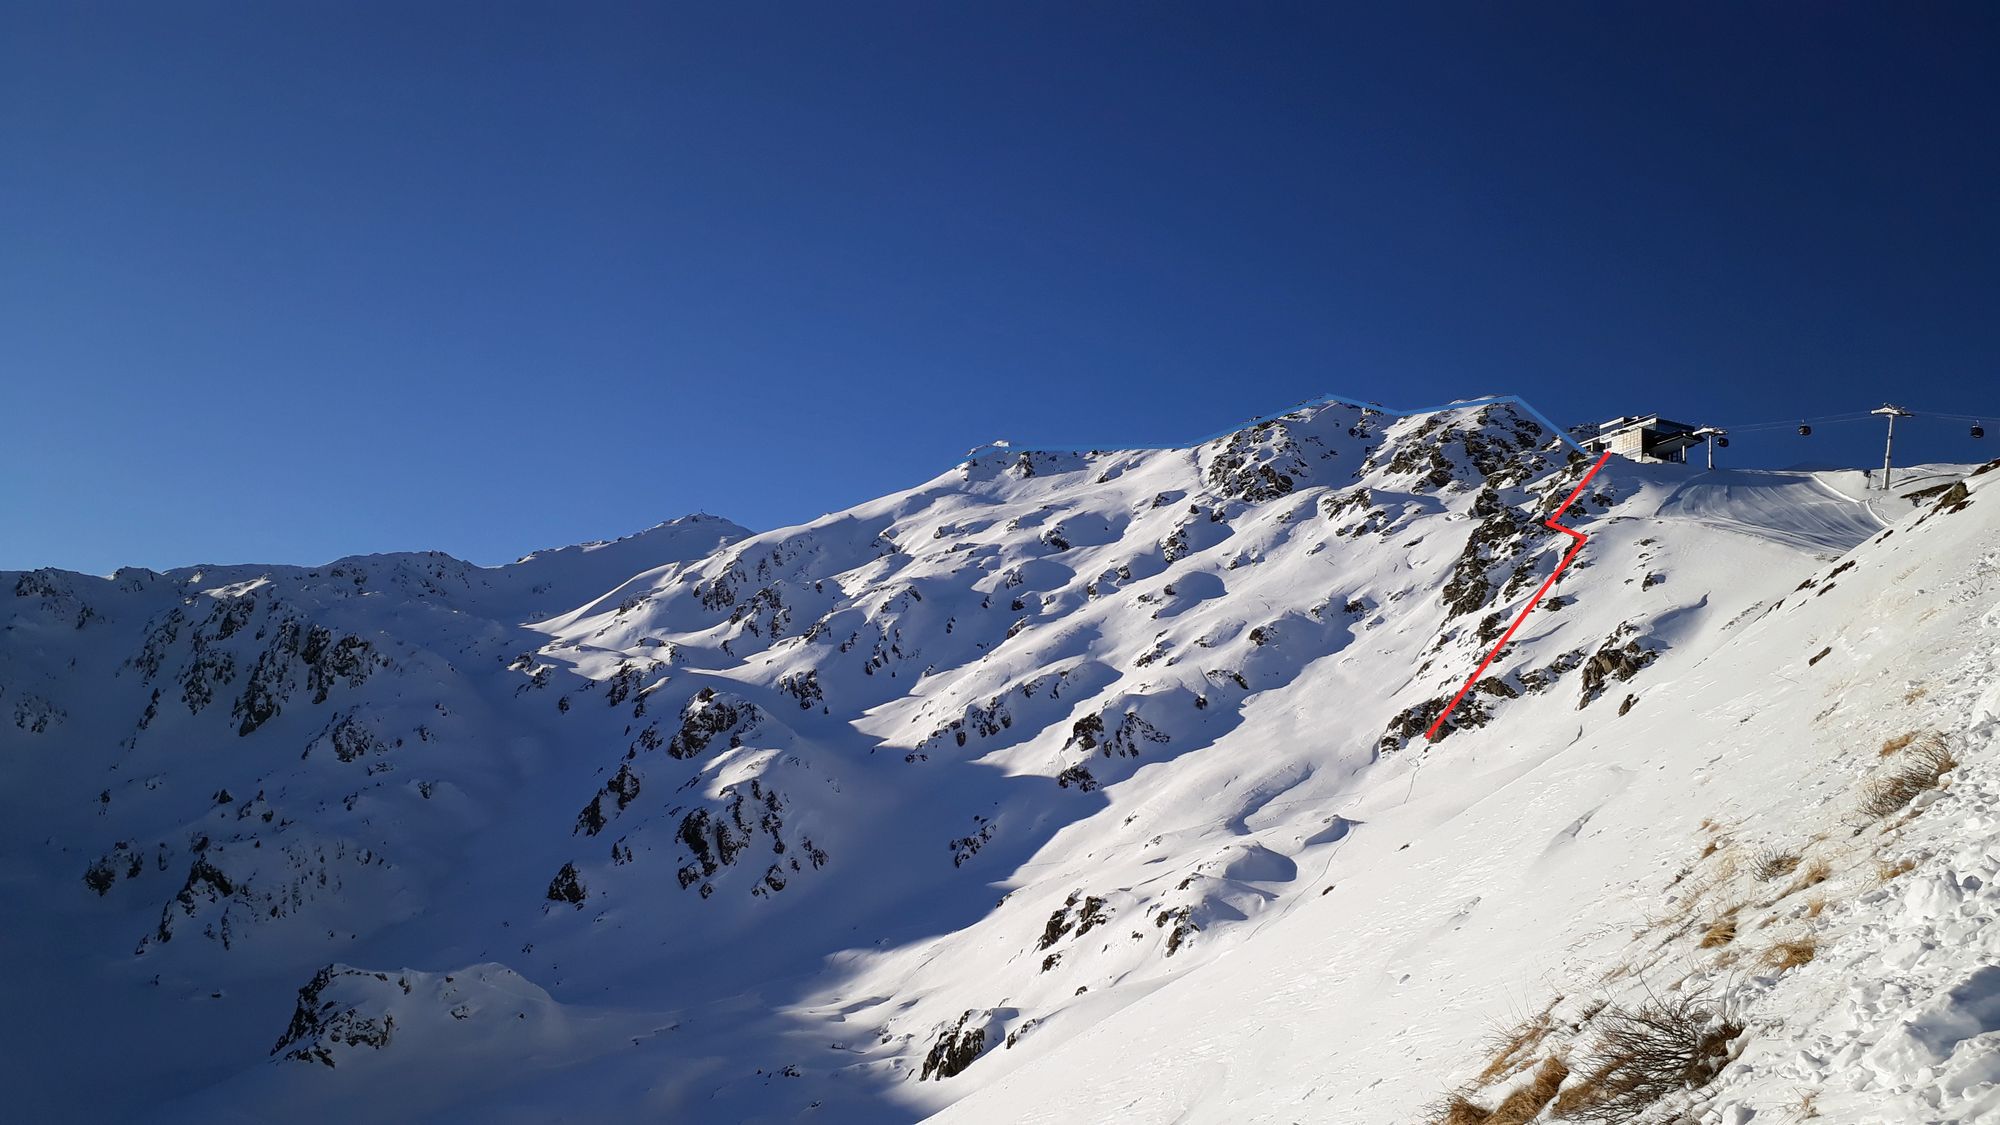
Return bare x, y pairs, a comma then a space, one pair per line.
1886, 872
1814, 905
1922, 768
1897, 743
1812, 875
1513, 1049
1458, 1110
1683, 909
1791, 954
1722, 931
1525, 1104
1915, 693
1935, 754
1727, 867
1807, 1107
1775, 864
1645, 1054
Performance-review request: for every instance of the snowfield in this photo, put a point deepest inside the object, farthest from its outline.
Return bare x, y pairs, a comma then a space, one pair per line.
1062, 787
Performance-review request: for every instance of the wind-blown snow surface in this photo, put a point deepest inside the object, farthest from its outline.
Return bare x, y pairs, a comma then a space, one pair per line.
1090, 785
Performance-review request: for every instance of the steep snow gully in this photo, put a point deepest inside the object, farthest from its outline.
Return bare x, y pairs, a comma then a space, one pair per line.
1065, 786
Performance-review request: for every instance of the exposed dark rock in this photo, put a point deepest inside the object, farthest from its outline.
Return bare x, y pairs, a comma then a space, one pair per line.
318, 1025
965, 847
956, 1047
566, 887
1612, 662
708, 716
1088, 734
1410, 726
591, 820
349, 738
1258, 464
1182, 920
804, 687
1059, 924
1078, 775
1090, 915
1540, 679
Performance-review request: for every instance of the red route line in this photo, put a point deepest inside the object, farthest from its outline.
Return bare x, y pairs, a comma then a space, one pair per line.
1551, 524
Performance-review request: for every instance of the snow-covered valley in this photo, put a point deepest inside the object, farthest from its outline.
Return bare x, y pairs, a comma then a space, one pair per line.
1063, 786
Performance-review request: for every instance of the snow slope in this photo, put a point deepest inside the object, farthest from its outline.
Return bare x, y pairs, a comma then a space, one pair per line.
1085, 786
1465, 907
1793, 508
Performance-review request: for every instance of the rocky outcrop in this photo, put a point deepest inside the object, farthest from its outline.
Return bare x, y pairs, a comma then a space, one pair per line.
1261, 463
956, 1047
567, 887
1613, 662
707, 717
320, 1023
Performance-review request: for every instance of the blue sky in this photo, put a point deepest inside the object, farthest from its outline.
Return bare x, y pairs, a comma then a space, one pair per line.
285, 282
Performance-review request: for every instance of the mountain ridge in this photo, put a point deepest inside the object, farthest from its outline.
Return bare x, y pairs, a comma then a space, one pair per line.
1038, 675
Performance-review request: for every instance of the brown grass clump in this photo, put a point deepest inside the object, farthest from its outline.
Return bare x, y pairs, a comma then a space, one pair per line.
1681, 912
1935, 755
1791, 954
1915, 693
1525, 1104
1642, 1055
1513, 1049
1887, 872
1775, 864
1722, 931
1814, 905
1812, 875
1458, 1110
1897, 743
1922, 768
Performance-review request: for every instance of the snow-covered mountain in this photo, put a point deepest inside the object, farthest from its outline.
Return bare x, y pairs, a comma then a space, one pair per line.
1063, 786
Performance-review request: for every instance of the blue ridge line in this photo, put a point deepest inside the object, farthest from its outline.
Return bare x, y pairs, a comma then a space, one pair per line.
1323, 400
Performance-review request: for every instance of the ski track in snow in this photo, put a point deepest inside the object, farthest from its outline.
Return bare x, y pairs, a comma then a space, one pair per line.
1790, 508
